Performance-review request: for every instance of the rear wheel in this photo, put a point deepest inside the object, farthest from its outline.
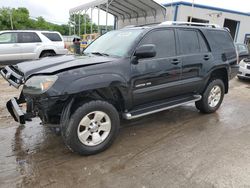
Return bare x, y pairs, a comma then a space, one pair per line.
212, 97
92, 128
47, 54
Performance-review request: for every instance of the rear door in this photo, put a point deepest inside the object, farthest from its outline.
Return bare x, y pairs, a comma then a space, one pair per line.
9, 48
195, 56
29, 42
155, 78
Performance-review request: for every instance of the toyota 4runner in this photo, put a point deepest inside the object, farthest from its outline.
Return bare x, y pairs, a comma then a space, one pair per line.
127, 73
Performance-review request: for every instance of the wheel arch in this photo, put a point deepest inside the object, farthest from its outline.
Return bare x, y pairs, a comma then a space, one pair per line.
47, 50
220, 73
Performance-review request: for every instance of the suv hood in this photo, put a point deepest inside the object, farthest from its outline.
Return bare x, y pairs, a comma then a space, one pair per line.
17, 74
49, 65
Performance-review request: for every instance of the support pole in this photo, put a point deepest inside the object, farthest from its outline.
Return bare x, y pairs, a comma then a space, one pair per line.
85, 22
74, 23
107, 9
79, 24
91, 23
69, 29
99, 20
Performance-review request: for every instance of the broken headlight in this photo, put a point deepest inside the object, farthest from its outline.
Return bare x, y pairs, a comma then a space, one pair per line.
39, 84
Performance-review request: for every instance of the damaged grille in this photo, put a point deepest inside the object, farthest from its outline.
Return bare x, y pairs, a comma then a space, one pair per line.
12, 75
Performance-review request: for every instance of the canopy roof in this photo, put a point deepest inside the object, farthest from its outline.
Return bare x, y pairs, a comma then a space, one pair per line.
124, 9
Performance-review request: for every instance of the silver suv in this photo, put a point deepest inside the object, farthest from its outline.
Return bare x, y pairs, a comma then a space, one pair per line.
16, 46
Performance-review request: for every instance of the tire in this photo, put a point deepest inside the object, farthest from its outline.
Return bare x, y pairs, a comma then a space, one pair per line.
47, 54
92, 128
211, 100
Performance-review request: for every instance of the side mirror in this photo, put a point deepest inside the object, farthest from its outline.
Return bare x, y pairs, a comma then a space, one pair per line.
145, 51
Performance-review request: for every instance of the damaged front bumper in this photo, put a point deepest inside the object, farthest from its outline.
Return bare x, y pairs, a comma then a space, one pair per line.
13, 106
12, 75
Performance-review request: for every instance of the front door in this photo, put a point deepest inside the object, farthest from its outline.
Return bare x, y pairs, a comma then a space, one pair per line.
10, 50
154, 78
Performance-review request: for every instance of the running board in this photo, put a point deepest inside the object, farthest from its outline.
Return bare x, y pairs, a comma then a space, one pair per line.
161, 106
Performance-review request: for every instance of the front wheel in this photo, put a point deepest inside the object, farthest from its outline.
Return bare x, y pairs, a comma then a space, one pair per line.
212, 97
92, 128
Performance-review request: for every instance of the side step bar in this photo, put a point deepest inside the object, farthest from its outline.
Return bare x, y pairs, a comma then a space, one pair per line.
161, 106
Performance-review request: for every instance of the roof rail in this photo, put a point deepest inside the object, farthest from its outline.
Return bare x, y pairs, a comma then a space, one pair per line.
190, 24
129, 26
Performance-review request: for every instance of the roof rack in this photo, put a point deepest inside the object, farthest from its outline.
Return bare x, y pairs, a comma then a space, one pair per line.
129, 26
190, 24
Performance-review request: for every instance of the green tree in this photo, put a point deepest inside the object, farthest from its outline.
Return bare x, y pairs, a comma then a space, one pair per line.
21, 20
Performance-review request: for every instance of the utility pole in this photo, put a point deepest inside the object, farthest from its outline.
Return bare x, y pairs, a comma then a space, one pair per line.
192, 14
11, 21
172, 11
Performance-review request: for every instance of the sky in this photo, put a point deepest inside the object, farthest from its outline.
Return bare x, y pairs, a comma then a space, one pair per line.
57, 11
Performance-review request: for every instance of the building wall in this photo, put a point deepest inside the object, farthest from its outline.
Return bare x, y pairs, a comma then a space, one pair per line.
183, 12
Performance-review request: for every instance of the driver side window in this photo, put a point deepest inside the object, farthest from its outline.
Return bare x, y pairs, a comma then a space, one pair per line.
164, 41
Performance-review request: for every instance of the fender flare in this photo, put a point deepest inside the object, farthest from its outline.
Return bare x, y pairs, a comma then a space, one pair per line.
96, 82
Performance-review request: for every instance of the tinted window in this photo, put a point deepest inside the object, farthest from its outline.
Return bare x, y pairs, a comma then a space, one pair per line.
164, 40
189, 42
220, 40
7, 38
28, 37
52, 36
203, 43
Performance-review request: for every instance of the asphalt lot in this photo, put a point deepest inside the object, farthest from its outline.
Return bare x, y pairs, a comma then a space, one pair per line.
175, 148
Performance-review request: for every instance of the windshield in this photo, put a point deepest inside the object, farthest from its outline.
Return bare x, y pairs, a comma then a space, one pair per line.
114, 43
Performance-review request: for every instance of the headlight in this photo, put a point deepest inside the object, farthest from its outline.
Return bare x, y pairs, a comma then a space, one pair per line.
242, 63
39, 84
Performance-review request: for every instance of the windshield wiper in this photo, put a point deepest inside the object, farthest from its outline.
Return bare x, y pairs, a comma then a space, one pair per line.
99, 53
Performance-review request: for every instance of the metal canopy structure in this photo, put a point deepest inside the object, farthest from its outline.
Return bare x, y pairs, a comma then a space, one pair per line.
126, 12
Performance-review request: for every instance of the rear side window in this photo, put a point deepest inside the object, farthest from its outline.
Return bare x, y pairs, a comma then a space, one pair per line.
8, 38
189, 42
164, 40
220, 40
55, 37
28, 37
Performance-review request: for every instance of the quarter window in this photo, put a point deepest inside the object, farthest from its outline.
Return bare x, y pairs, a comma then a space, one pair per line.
164, 41
28, 37
8, 38
53, 36
220, 40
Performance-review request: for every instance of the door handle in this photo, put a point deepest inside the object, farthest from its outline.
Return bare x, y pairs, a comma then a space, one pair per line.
206, 57
175, 61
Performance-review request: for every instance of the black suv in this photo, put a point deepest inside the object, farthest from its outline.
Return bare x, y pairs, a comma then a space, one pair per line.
128, 73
